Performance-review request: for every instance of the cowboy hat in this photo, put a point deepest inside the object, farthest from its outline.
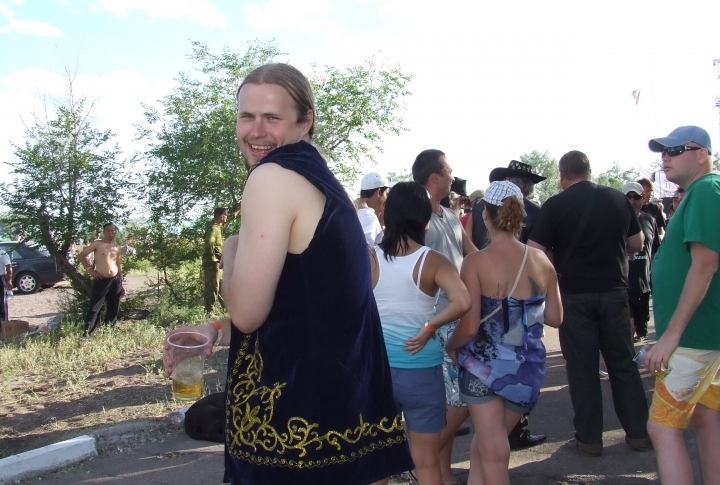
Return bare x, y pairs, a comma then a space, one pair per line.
515, 169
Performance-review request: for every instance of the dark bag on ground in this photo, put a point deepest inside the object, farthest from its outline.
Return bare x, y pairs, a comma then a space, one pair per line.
205, 420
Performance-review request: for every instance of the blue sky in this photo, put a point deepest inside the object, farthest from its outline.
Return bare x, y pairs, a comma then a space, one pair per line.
491, 80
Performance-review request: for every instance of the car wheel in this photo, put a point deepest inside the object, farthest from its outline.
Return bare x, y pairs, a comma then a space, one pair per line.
27, 283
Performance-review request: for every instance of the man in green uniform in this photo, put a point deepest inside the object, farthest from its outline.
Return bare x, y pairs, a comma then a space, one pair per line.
212, 253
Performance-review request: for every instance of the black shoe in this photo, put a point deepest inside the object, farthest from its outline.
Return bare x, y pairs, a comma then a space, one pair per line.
464, 429
640, 338
527, 440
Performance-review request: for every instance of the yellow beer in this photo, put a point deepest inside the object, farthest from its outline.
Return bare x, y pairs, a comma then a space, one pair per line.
187, 381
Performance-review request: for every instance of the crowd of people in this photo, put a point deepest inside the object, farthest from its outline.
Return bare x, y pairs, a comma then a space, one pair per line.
363, 335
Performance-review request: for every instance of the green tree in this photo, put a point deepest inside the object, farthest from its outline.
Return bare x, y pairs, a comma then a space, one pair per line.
616, 176
69, 181
546, 166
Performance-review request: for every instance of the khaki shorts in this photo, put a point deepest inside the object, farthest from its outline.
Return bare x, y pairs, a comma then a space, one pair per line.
686, 382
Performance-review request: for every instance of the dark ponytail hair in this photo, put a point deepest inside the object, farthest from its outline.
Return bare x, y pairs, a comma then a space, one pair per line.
507, 217
407, 213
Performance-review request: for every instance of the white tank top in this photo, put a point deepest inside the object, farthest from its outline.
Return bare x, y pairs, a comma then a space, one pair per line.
404, 309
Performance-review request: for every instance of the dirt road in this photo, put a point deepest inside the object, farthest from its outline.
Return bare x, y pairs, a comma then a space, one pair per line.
46, 303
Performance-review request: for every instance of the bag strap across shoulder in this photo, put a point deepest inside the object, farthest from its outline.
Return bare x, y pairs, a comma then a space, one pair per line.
517, 280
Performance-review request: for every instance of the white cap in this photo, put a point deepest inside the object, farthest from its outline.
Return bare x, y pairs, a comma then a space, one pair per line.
501, 190
632, 187
373, 180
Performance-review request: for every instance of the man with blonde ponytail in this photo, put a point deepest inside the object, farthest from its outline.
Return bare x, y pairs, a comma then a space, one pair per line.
589, 229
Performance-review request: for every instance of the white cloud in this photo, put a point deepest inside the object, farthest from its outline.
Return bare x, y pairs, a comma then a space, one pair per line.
199, 11
25, 26
288, 15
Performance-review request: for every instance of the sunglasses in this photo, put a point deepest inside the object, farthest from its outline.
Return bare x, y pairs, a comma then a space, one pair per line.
633, 196
678, 150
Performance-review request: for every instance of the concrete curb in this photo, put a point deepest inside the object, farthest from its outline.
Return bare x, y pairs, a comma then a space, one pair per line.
46, 459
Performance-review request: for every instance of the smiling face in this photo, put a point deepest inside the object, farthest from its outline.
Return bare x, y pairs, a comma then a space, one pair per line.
444, 178
267, 119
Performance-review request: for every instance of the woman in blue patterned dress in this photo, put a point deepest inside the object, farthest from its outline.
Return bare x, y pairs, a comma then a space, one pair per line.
497, 344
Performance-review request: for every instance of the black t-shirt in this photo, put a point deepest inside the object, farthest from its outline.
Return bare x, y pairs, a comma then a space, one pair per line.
598, 263
654, 210
639, 263
532, 210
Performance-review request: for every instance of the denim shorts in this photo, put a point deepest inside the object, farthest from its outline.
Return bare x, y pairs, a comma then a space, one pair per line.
473, 391
420, 395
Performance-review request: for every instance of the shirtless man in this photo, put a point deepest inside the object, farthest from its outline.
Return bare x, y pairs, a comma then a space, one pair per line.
107, 277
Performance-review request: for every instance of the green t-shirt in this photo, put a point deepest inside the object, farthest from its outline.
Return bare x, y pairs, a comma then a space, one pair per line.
697, 219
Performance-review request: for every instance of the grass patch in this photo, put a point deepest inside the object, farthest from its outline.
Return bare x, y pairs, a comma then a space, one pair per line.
57, 385
67, 354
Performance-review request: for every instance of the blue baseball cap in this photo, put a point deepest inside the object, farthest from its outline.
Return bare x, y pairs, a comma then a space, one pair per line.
680, 136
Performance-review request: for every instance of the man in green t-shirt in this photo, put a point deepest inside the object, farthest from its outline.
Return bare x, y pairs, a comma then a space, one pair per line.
686, 295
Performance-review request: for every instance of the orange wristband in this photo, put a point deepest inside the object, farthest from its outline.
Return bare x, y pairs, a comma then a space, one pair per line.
218, 327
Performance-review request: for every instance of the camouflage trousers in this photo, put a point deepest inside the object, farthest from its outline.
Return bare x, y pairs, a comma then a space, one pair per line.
211, 286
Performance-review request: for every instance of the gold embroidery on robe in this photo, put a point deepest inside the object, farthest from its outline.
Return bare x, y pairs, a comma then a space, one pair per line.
252, 429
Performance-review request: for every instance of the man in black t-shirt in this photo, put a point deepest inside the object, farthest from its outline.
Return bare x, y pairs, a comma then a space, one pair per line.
654, 210
589, 229
639, 265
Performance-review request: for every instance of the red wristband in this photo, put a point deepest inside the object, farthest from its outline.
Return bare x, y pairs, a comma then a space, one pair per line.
429, 328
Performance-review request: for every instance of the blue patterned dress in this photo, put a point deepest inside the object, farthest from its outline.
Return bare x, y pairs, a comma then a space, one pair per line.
507, 354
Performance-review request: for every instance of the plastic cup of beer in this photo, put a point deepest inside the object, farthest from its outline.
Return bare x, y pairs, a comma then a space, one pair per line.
187, 350
642, 353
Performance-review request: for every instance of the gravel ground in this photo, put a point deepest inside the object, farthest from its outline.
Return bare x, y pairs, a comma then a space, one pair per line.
43, 305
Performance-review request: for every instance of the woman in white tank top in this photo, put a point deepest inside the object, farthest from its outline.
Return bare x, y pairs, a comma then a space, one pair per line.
406, 278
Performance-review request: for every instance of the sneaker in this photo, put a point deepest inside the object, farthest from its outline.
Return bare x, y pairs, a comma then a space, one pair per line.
640, 338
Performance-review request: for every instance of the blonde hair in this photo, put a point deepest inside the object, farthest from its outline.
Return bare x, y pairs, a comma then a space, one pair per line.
507, 217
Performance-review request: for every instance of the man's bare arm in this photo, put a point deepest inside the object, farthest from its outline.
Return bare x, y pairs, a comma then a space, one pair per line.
83, 258
702, 269
263, 244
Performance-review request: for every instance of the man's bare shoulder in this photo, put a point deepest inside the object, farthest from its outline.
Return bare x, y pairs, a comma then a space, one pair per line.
274, 174
90, 247
287, 188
